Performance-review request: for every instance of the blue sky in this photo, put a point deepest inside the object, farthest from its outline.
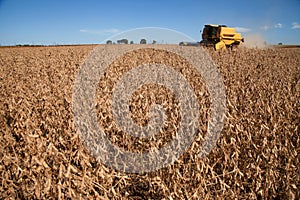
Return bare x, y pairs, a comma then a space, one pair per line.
74, 22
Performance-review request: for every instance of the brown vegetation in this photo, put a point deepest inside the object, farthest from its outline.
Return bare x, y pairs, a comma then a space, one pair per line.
256, 157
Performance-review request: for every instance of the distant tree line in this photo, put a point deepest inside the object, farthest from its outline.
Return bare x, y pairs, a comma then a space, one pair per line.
125, 41
30, 45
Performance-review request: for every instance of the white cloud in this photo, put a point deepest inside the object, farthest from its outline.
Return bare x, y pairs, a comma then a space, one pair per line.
278, 25
101, 32
295, 25
83, 30
112, 30
242, 29
265, 27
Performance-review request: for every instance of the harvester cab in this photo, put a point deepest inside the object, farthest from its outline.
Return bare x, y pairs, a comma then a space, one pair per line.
220, 36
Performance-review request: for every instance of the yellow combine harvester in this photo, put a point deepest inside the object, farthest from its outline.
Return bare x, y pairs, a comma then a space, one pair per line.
220, 36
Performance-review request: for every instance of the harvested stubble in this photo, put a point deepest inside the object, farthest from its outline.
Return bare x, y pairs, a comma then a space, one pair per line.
256, 156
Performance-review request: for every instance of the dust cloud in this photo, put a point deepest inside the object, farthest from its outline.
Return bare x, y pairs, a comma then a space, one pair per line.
255, 41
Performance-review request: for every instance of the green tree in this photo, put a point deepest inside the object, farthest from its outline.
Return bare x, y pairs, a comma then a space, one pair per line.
143, 41
122, 41
108, 42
